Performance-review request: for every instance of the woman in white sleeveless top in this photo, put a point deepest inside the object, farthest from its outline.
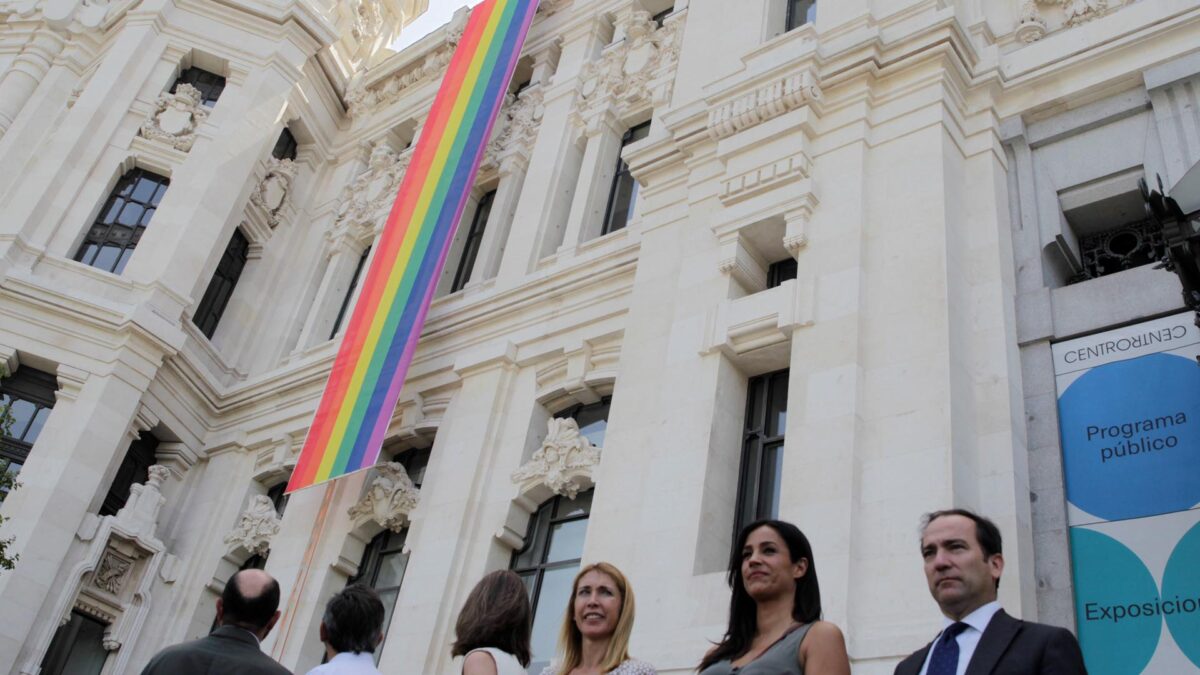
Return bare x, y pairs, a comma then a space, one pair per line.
493, 627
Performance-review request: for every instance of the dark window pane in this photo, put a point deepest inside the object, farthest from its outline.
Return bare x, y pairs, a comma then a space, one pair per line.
777, 421
35, 429
770, 481
77, 648
622, 196
285, 145
760, 476
134, 469
466, 262
780, 272
800, 12
341, 316
119, 225
210, 84
220, 288
22, 413
580, 506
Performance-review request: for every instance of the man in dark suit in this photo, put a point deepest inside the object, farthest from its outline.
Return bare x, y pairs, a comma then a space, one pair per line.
246, 612
963, 563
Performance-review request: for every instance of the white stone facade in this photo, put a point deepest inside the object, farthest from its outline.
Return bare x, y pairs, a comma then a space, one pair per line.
915, 157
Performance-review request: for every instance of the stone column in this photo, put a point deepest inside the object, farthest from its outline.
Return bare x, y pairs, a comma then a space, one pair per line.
542, 209
450, 547
26, 72
604, 132
81, 444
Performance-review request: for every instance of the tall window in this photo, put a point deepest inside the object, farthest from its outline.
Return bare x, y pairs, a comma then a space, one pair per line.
135, 468
285, 145
210, 84
382, 568
358, 270
470, 250
762, 448
77, 648
800, 12
224, 280
548, 564
110, 242
623, 196
26, 398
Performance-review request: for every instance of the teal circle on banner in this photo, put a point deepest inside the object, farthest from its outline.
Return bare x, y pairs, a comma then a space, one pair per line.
1181, 588
1131, 437
1110, 581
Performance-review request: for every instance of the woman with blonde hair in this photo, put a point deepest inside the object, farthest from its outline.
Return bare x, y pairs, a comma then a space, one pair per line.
596, 629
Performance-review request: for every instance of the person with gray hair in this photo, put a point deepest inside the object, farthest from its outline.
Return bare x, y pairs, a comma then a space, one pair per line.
351, 628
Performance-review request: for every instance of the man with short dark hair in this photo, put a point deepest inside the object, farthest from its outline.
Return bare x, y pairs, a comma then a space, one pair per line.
963, 563
246, 612
351, 629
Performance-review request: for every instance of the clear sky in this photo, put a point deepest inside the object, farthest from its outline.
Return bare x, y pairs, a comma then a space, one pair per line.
439, 13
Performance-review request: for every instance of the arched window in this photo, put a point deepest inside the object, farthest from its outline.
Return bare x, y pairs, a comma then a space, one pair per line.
548, 564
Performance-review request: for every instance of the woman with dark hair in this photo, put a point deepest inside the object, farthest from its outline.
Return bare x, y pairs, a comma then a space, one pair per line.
775, 622
493, 627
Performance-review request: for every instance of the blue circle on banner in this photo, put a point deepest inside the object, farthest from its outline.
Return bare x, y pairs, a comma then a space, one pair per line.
1131, 437
1181, 590
1111, 584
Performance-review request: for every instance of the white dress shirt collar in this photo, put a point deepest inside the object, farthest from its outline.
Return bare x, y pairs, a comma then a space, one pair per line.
977, 621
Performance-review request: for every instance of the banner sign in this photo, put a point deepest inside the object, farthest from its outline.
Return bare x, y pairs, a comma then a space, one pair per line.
364, 384
1129, 419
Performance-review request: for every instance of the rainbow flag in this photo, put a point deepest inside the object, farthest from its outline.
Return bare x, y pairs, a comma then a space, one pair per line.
360, 397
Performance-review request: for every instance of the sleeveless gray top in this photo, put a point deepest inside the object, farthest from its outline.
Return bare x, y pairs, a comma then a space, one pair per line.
780, 658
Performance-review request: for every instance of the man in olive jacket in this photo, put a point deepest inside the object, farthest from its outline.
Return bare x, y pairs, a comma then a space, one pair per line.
246, 612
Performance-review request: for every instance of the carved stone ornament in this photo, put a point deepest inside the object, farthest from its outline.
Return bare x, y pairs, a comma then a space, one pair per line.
72, 16
549, 7
361, 98
564, 463
111, 572
365, 201
1076, 12
1031, 27
175, 118
768, 102
257, 525
273, 190
368, 19
140, 514
389, 499
638, 71
516, 128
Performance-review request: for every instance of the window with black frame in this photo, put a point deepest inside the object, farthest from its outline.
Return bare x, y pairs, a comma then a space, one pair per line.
118, 227
349, 296
26, 399
77, 647
220, 288
548, 563
285, 146
760, 477
134, 469
382, 568
470, 250
622, 197
209, 84
779, 272
800, 12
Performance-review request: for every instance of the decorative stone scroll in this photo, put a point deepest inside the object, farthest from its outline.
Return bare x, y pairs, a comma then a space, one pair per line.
1032, 24
639, 70
273, 190
515, 129
78, 16
777, 98
363, 98
257, 525
175, 118
389, 499
564, 463
365, 201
